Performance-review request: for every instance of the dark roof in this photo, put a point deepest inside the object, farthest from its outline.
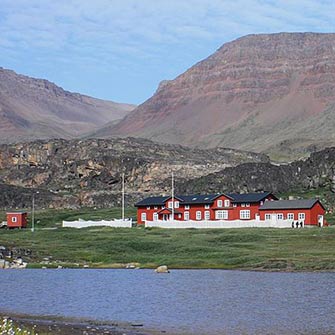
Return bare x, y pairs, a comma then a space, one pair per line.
198, 198
153, 201
289, 204
203, 198
248, 197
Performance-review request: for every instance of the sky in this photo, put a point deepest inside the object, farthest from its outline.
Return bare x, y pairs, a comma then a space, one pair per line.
120, 50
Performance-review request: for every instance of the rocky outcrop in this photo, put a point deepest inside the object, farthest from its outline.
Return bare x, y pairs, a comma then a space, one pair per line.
88, 173
13, 258
270, 93
318, 171
35, 108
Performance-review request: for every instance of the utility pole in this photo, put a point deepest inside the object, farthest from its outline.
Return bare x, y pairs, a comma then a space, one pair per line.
122, 196
172, 189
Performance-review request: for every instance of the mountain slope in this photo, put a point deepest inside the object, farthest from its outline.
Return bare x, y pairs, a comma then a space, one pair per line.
35, 108
258, 93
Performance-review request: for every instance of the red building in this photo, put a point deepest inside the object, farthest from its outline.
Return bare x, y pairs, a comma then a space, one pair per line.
306, 211
230, 206
17, 219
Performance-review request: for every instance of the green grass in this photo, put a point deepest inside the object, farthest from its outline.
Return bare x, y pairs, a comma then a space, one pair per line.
253, 248
250, 248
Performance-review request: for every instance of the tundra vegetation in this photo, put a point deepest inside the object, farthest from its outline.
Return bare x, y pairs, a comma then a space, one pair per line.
249, 248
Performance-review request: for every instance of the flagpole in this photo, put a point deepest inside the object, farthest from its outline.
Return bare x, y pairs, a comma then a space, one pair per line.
122, 196
172, 189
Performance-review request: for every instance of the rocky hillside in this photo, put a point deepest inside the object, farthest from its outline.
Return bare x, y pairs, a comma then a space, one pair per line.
266, 93
88, 173
38, 109
318, 171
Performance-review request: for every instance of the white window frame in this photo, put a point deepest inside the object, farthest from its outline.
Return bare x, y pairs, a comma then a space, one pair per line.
143, 217
207, 215
148, 207
302, 216
14, 219
242, 204
290, 216
206, 206
176, 204
227, 203
186, 216
187, 207
198, 215
267, 216
234, 205
155, 207
170, 204
155, 217
280, 216
245, 214
221, 215
219, 203
247, 204
162, 207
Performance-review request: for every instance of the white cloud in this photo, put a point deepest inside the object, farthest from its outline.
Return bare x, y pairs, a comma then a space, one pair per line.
130, 34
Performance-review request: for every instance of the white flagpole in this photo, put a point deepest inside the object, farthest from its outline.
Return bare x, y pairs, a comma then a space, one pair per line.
172, 188
122, 196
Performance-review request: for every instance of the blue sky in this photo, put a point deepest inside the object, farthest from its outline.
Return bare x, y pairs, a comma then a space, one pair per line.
121, 49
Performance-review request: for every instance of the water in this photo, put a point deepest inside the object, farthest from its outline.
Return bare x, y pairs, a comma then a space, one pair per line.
184, 301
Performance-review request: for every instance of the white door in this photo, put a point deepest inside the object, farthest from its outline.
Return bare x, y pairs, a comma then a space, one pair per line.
320, 220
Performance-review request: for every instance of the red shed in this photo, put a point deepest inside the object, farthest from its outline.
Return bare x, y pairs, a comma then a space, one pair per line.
17, 219
307, 211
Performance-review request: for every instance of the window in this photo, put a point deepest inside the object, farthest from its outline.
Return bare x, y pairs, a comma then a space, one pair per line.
245, 214
155, 216
162, 207
301, 216
247, 204
179, 216
280, 216
221, 215
14, 219
186, 216
198, 215
148, 207
226, 203
206, 206
155, 207
242, 204
267, 216
187, 206
262, 203
176, 204
290, 216
143, 216
207, 215
170, 204
219, 203
234, 205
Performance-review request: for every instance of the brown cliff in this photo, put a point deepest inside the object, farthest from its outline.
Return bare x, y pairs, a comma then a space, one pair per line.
272, 93
38, 109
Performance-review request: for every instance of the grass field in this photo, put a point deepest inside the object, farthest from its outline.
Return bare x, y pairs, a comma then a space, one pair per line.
253, 248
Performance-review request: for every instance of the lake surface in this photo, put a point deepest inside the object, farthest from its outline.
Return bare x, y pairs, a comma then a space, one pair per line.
184, 301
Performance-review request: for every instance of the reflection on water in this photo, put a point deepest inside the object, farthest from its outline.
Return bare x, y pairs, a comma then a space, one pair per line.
190, 301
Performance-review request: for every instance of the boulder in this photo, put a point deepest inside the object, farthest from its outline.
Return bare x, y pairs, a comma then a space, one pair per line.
162, 269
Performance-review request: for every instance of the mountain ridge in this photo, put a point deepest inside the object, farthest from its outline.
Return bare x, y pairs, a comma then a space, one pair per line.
250, 95
33, 108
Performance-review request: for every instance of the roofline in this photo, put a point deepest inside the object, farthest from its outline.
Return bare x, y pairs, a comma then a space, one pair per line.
156, 203
284, 208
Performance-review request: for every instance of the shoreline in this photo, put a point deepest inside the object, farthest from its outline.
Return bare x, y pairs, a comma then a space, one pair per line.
123, 267
77, 326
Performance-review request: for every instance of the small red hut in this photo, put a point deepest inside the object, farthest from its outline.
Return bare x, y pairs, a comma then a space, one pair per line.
17, 219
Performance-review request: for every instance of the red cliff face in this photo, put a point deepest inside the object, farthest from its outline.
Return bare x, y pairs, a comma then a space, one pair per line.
272, 93
35, 108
